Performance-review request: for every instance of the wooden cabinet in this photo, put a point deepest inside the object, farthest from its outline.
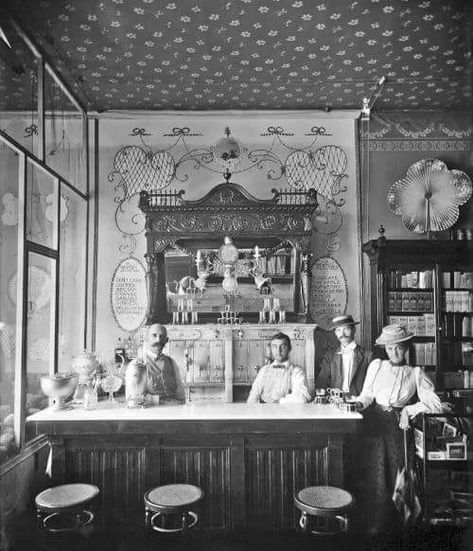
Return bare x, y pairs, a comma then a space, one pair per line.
456, 324
428, 286
214, 359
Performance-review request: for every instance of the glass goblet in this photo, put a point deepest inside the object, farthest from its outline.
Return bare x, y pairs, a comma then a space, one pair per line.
112, 381
110, 384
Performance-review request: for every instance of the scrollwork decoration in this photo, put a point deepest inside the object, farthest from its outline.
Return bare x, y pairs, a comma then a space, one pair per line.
332, 243
138, 167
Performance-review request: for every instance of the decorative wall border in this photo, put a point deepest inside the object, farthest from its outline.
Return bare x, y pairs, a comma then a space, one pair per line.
415, 145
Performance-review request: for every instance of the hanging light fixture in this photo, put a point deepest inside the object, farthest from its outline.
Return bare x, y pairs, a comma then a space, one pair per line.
227, 153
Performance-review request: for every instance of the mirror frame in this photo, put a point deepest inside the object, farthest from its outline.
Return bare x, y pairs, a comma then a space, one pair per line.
227, 210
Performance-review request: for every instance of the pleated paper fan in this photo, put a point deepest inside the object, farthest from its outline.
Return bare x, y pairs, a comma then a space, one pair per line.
429, 195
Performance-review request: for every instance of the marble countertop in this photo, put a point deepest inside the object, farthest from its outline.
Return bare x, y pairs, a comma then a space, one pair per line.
199, 411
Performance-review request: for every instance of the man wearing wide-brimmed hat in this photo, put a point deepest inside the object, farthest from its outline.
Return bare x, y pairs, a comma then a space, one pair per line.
345, 368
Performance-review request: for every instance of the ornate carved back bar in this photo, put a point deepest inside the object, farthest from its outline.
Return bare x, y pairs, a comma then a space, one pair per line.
220, 362
227, 210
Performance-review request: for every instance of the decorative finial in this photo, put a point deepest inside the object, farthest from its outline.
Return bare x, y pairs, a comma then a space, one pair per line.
381, 231
227, 175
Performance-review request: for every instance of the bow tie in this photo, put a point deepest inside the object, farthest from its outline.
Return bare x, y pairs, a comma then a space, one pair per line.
279, 366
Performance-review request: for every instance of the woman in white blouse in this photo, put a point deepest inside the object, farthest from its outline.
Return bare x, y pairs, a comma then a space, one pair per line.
393, 393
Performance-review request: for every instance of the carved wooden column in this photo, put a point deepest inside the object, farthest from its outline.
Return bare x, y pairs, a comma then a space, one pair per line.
306, 276
156, 280
373, 288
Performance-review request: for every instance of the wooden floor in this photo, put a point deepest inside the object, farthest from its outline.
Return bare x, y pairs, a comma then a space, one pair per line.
21, 534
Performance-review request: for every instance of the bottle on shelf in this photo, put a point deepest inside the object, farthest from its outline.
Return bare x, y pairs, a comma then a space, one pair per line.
466, 378
130, 349
466, 326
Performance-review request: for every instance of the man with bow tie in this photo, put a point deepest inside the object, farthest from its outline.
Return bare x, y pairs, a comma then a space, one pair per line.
162, 373
280, 381
345, 368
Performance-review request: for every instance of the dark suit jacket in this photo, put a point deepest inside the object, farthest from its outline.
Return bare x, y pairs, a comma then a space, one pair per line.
331, 375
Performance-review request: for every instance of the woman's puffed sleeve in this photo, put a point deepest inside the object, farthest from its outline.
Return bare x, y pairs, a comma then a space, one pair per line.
366, 398
428, 402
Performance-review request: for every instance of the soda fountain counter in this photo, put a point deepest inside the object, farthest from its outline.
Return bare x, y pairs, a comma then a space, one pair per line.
249, 459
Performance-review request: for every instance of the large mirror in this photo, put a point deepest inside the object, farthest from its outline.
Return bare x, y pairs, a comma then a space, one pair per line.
233, 272
228, 253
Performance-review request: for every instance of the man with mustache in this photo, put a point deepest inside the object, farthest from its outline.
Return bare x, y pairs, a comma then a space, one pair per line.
345, 368
162, 372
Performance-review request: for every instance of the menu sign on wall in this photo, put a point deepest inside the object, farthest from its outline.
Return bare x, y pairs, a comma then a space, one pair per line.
128, 294
329, 291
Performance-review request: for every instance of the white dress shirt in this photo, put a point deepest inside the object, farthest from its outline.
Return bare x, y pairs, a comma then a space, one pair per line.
394, 386
348, 354
285, 384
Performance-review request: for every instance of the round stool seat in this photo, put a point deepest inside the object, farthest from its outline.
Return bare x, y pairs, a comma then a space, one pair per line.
171, 501
320, 499
328, 505
66, 496
173, 497
62, 508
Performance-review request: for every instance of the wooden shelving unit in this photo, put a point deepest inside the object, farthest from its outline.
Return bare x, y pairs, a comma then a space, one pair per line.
410, 282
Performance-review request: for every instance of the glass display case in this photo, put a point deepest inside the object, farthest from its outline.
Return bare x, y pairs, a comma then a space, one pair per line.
445, 458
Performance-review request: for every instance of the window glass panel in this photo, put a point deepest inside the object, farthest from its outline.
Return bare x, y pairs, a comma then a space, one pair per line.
41, 206
40, 335
63, 128
18, 91
8, 299
72, 277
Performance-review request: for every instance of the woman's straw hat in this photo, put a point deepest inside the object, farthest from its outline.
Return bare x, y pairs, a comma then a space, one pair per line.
392, 334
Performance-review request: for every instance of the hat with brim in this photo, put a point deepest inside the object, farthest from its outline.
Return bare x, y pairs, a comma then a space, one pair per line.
393, 334
340, 321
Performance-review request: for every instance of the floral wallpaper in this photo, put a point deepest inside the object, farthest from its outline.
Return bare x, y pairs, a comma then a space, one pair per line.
249, 54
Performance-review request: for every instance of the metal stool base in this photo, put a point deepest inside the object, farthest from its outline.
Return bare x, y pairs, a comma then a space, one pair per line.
154, 523
52, 522
329, 525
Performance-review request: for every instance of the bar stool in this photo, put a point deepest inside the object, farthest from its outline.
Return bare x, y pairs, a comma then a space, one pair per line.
164, 503
328, 505
64, 508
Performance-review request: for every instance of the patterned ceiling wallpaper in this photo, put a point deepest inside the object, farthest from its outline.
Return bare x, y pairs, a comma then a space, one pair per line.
250, 54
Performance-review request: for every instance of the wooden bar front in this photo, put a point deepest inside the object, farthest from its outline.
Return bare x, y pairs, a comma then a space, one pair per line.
249, 459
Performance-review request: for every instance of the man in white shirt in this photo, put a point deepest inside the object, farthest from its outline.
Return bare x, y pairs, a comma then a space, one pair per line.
280, 381
344, 368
